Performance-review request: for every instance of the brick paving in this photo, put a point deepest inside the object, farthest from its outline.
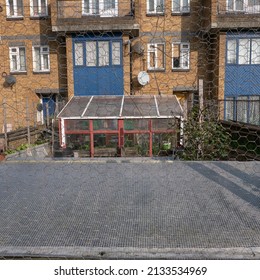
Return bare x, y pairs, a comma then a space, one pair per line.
130, 204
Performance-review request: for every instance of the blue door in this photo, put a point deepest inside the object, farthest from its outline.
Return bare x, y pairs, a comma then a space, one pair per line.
48, 104
98, 66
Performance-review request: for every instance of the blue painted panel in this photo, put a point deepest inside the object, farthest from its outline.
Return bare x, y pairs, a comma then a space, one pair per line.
98, 81
50, 102
242, 80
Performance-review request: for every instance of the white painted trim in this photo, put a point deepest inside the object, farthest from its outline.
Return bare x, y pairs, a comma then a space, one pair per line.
156, 104
63, 137
122, 105
87, 107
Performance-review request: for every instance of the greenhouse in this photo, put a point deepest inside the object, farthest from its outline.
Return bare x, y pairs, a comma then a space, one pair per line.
96, 126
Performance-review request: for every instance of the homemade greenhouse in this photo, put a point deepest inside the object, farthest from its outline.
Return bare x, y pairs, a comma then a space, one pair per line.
121, 125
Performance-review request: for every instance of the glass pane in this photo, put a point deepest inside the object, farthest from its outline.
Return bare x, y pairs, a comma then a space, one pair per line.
35, 7
231, 51
79, 142
139, 124
176, 5
105, 145
77, 125
159, 6
37, 59
239, 5
45, 61
105, 124
11, 7
14, 63
185, 5
164, 124
136, 144
244, 51
242, 109
229, 114
103, 53
86, 8
254, 110
185, 59
91, 53
255, 55
43, 7
176, 55
152, 58
19, 7
22, 59
151, 5
116, 53
78, 53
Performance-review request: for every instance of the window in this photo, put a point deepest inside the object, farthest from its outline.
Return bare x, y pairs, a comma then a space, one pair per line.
244, 109
38, 8
100, 7
14, 8
180, 6
243, 51
235, 5
97, 53
156, 56
180, 56
41, 59
155, 6
248, 6
17, 59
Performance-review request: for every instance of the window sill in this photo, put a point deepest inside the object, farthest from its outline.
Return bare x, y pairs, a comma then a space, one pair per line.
155, 70
18, 72
10, 18
42, 72
40, 17
180, 70
155, 14
180, 13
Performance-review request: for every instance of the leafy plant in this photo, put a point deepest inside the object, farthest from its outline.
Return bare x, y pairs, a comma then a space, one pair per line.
204, 136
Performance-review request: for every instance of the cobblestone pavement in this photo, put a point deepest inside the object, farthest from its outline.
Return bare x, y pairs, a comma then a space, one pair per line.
129, 204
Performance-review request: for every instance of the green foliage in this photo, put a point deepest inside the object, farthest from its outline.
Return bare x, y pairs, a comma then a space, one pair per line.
204, 136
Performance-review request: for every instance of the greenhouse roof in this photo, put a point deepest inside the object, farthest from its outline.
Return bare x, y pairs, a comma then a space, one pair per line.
122, 107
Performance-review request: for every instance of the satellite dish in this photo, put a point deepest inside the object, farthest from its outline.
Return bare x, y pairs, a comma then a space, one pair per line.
10, 80
143, 78
39, 107
138, 48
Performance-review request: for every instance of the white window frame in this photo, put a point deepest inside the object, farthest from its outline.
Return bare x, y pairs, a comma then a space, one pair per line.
40, 9
183, 9
42, 53
16, 51
156, 9
101, 8
184, 48
15, 9
153, 48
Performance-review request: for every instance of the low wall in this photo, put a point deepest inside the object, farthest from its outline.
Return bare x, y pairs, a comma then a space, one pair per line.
36, 152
